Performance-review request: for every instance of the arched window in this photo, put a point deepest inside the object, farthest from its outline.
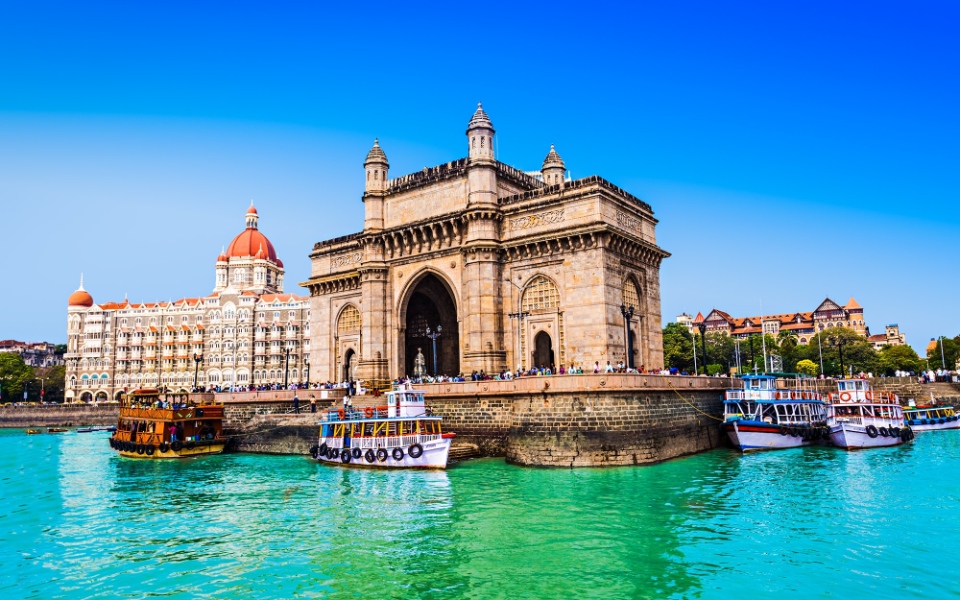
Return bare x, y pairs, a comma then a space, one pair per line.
631, 297
540, 294
349, 321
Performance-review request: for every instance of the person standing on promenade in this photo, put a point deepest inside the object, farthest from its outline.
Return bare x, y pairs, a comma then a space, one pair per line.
296, 404
313, 405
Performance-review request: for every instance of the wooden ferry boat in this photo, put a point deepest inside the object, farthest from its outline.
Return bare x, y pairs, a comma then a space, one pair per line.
402, 434
931, 418
858, 417
764, 416
155, 424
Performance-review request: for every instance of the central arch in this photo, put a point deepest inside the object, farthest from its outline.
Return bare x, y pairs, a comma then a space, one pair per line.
430, 303
543, 350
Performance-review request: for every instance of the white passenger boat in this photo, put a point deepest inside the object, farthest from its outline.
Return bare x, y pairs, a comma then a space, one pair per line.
764, 416
931, 418
858, 417
401, 434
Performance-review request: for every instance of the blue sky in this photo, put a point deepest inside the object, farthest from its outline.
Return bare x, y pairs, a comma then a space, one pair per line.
791, 150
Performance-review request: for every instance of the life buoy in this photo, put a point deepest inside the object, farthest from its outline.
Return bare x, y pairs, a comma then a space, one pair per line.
883, 432
164, 447
368, 412
345, 456
868, 395
369, 456
357, 452
415, 450
872, 431
381, 454
322, 450
176, 446
776, 395
140, 449
398, 454
341, 414
845, 396
150, 449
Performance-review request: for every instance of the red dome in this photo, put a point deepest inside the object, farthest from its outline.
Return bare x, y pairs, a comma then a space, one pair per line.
248, 243
80, 298
251, 210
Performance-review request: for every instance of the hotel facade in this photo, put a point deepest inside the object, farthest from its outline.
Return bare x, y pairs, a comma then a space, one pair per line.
247, 332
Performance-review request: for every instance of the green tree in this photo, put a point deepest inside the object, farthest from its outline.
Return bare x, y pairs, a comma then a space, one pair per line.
807, 367
858, 354
899, 358
678, 347
951, 351
14, 375
54, 380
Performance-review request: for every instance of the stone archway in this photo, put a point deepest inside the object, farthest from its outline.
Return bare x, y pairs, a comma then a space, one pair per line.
429, 304
348, 370
543, 350
86, 397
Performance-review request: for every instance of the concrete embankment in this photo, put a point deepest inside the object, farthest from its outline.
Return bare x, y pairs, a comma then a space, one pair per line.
58, 415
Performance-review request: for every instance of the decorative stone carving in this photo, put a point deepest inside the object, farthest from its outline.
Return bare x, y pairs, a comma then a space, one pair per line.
338, 262
627, 222
528, 221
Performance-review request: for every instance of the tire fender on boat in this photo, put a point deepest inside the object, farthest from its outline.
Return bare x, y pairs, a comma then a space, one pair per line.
150, 449
322, 450
415, 450
141, 449
345, 456
381, 454
883, 432
176, 446
872, 431
164, 447
357, 452
369, 456
313, 450
784, 430
398, 454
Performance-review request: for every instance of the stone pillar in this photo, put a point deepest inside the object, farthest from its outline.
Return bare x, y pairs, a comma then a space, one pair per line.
373, 365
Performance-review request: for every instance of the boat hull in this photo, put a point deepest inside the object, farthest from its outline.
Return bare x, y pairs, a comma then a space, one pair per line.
916, 425
750, 437
198, 449
434, 456
852, 436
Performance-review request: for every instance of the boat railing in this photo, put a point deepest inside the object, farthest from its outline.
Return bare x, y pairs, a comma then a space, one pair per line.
367, 412
374, 442
861, 396
171, 414
772, 395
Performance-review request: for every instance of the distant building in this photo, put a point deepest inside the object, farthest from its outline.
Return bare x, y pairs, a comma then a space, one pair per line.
804, 325
891, 337
34, 354
246, 332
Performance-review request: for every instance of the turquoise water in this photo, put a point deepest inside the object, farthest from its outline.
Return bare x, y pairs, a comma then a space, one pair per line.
76, 521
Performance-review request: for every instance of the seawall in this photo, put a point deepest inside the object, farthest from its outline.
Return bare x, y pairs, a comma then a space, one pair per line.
58, 415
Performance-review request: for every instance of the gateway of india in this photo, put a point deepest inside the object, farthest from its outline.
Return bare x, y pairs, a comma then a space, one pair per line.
511, 269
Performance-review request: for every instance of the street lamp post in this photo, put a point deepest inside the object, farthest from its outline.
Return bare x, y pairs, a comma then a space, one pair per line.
838, 342
306, 364
943, 360
197, 359
286, 367
519, 315
703, 343
433, 338
627, 312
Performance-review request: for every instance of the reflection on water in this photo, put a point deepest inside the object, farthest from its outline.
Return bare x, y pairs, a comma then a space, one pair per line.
78, 521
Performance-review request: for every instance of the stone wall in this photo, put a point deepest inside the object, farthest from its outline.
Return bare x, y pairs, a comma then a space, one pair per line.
584, 420
272, 433
58, 415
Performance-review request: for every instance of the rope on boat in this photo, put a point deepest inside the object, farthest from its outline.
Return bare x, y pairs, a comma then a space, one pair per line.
693, 406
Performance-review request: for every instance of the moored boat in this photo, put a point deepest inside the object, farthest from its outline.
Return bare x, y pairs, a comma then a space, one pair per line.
155, 424
767, 415
931, 418
57, 430
34, 431
858, 417
401, 434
